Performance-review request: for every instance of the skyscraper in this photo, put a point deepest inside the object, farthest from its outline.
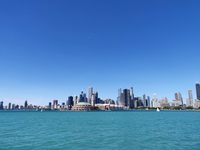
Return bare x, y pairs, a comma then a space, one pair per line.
190, 94
144, 101
9, 106
70, 102
132, 98
49, 105
148, 101
198, 90
189, 101
96, 97
119, 95
178, 99
55, 103
25, 104
1, 105
126, 98
90, 92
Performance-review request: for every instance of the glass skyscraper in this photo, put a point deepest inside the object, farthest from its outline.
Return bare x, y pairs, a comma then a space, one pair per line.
198, 90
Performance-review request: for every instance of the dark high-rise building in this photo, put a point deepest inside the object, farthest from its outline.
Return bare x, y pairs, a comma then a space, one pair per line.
70, 102
1, 105
198, 90
50, 105
96, 97
125, 98
82, 97
148, 101
9, 106
13, 106
25, 104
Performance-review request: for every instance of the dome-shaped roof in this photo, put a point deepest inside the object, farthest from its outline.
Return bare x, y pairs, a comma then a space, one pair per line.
83, 103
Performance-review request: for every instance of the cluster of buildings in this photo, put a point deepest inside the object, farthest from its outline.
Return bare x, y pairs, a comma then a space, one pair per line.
125, 100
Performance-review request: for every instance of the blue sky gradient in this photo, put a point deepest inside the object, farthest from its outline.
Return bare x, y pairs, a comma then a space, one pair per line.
53, 49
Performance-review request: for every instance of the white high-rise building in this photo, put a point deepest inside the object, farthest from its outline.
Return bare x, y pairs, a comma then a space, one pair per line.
90, 92
189, 101
155, 103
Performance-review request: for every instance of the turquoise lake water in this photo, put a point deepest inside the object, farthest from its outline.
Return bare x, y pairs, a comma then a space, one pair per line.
120, 130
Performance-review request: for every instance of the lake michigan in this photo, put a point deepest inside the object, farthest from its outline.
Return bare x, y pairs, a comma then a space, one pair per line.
120, 130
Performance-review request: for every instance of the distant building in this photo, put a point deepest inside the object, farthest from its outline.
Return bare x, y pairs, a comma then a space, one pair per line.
198, 90
189, 101
55, 104
9, 106
125, 98
90, 92
82, 106
49, 105
148, 101
96, 97
75, 99
132, 98
70, 102
144, 101
25, 105
178, 99
119, 95
1, 105
155, 103
196, 103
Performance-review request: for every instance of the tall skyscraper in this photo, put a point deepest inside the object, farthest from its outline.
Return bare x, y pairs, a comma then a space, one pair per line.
154, 97
126, 98
75, 99
25, 104
82, 97
49, 105
178, 99
90, 92
144, 101
96, 97
190, 94
189, 101
198, 90
119, 92
148, 101
132, 98
1, 105
70, 102
9, 106
55, 104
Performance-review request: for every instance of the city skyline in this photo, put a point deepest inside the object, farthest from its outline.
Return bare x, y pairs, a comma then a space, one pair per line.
127, 94
54, 49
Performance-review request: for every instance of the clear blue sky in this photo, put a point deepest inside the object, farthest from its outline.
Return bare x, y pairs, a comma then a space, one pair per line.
53, 49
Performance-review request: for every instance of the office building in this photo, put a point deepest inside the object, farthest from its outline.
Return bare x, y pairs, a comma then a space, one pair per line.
148, 101
125, 98
25, 105
70, 102
144, 101
96, 97
9, 105
1, 105
198, 90
119, 95
132, 98
49, 105
189, 101
178, 99
90, 92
